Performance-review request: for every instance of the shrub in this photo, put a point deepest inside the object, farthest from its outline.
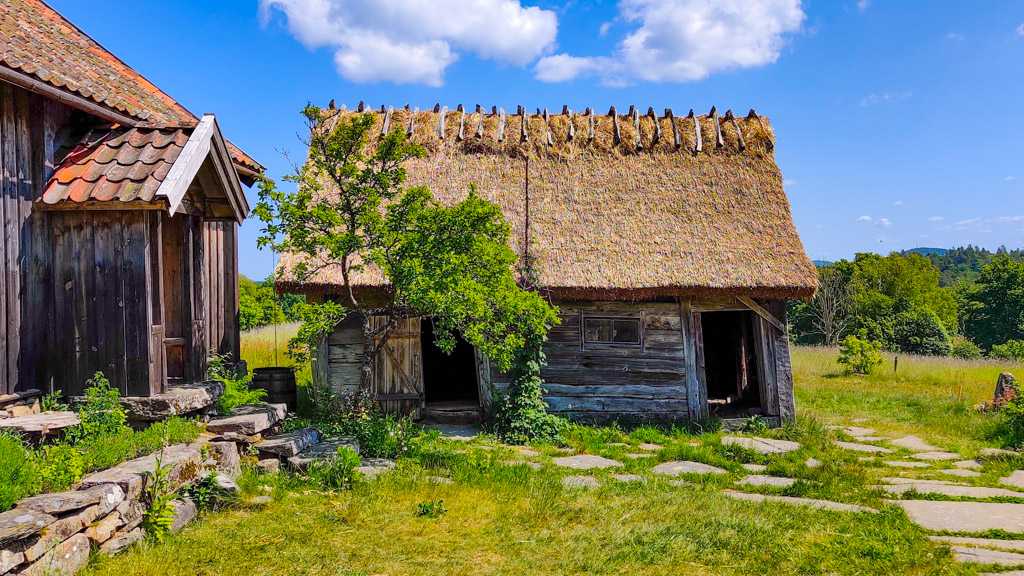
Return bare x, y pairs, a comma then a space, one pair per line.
237, 392
1012, 350
335, 473
920, 332
355, 414
59, 467
965, 349
520, 415
51, 402
859, 355
17, 473
101, 413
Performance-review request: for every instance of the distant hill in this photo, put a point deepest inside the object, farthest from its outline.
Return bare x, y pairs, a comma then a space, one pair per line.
822, 263
926, 251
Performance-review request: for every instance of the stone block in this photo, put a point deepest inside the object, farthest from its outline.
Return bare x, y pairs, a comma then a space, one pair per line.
100, 532
249, 419
64, 559
269, 465
326, 449
185, 511
130, 514
177, 401
122, 540
226, 459
43, 424
289, 444
183, 460
17, 524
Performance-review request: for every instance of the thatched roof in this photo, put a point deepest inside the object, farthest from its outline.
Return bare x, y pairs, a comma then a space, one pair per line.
651, 212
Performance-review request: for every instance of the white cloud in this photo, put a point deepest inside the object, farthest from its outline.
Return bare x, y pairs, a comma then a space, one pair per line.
414, 42
1009, 179
884, 223
872, 99
957, 36
936, 219
864, 218
898, 203
862, 5
1020, 30
604, 29
1002, 219
968, 222
787, 182
685, 40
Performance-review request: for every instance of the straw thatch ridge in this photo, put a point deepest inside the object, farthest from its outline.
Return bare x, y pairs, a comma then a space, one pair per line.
628, 218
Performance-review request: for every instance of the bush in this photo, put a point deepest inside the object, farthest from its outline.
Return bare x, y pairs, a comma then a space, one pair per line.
59, 466
355, 414
101, 413
920, 332
965, 349
237, 392
859, 355
335, 473
17, 473
1012, 350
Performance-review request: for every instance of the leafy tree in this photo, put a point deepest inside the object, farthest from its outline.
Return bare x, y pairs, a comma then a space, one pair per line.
994, 311
260, 305
965, 349
351, 214
1012, 350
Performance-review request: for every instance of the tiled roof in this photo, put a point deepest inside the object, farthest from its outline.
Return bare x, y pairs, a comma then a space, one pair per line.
113, 163
37, 41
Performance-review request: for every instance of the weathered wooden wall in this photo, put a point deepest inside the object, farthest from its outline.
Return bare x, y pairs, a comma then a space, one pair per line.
220, 245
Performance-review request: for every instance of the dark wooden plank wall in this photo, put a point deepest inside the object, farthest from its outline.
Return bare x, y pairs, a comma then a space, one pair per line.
221, 287
344, 356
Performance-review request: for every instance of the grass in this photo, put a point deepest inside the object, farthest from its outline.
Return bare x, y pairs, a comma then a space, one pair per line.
503, 517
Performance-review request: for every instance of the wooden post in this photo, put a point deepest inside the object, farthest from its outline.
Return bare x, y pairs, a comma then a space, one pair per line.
387, 121
479, 121
440, 122
616, 137
677, 137
462, 124
698, 141
718, 128
739, 133
657, 127
501, 124
572, 124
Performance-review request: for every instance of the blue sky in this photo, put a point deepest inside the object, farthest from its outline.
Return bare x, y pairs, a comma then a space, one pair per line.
898, 124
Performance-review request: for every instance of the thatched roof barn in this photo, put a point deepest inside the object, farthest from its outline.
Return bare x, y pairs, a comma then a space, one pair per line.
637, 215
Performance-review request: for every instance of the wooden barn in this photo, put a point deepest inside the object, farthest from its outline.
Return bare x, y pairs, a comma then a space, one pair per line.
665, 241
120, 211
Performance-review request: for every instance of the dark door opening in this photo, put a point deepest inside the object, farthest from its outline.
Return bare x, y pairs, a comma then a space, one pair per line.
730, 364
448, 379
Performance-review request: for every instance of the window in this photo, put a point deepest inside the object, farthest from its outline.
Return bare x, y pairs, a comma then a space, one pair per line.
611, 331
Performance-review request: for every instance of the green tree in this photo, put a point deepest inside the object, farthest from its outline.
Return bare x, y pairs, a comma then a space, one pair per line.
257, 305
994, 311
352, 215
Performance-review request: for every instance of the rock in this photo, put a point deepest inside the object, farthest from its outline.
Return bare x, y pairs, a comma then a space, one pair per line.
103, 530
981, 542
17, 524
58, 532
456, 432
58, 502
915, 444
527, 452
225, 483
761, 445
324, 450
1015, 479
619, 444
812, 463
970, 464
635, 456
185, 511
627, 477
226, 458
996, 452
238, 438
122, 540
43, 424
289, 444
263, 500
986, 556
862, 447
249, 419
811, 502
903, 464
902, 481
14, 554
183, 460
1006, 388
762, 480
650, 447
960, 472
20, 410
585, 462
755, 467
856, 431
580, 482
942, 516
933, 487
269, 465
130, 513
935, 456
372, 467
66, 558
678, 467
177, 401
869, 438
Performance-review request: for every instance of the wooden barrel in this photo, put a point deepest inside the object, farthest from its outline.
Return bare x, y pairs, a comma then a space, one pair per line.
279, 384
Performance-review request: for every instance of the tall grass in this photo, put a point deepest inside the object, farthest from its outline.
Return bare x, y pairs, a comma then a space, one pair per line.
267, 346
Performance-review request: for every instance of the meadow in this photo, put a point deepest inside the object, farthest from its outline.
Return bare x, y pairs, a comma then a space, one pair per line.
503, 511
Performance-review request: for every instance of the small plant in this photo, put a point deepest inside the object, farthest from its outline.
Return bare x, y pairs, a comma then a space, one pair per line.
51, 402
964, 349
433, 509
101, 413
335, 473
755, 425
59, 466
17, 472
237, 392
159, 514
205, 492
860, 355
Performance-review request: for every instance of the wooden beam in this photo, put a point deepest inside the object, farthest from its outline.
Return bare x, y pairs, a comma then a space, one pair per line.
155, 204
749, 303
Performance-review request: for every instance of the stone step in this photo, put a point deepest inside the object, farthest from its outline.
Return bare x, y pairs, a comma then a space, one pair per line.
686, 467
326, 449
42, 424
183, 460
289, 444
986, 556
961, 517
249, 419
442, 416
762, 445
811, 502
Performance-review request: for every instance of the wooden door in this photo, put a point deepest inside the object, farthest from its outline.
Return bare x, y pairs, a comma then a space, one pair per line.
398, 369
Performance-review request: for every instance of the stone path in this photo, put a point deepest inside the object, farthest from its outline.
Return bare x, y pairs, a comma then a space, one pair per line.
964, 516
627, 477
862, 447
813, 503
763, 480
955, 491
755, 467
986, 556
915, 444
856, 431
904, 464
585, 462
935, 456
1015, 479
678, 467
580, 482
650, 447
762, 445
968, 464
1013, 545
960, 473
455, 432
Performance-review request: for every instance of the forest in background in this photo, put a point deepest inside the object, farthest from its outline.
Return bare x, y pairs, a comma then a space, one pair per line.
259, 305
965, 302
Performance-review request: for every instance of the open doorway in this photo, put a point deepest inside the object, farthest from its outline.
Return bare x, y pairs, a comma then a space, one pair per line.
730, 364
449, 380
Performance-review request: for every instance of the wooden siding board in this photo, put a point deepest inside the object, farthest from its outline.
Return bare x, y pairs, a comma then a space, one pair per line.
10, 247
105, 297
783, 367
37, 337
137, 326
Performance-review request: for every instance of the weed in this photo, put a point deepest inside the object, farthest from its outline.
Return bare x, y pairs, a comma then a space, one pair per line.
101, 413
336, 473
59, 466
159, 514
18, 476
51, 402
431, 509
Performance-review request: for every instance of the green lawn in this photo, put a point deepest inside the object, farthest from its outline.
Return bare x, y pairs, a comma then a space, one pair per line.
510, 519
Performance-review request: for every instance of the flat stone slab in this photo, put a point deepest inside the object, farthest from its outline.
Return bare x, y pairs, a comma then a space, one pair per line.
529, 453
858, 431
953, 491
905, 464
1016, 479
911, 481
761, 445
986, 556
995, 452
862, 447
580, 482
324, 450
960, 473
534, 465
635, 456
177, 401
17, 524
964, 516
455, 431
812, 463
763, 480
291, 443
585, 462
935, 456
183, 460
968, 464
811, 502
1016, 545
915, 444
627, 477
59, 502
249, 419
869, 438
42, 424
755, 467
678, 467
650, 447
372, 467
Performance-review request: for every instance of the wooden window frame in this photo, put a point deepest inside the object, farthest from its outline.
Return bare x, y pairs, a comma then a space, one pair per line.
585, 344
